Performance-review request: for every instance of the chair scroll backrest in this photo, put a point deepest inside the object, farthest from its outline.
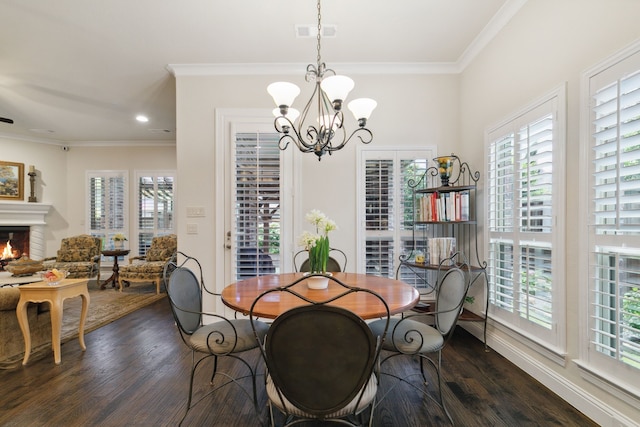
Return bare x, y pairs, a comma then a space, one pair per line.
452, 290
185, 294
319, 356
333, 265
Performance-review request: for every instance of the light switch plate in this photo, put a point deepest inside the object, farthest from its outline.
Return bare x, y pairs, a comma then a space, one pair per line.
195, 211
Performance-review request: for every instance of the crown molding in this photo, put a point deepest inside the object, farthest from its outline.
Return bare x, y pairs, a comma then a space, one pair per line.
493, 27
504, 15
123, 143
253, 69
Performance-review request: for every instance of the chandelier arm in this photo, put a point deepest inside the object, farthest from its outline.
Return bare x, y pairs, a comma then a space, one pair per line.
286, 139
363, 134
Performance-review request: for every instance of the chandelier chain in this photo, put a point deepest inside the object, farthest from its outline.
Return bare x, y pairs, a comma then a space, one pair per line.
318, 35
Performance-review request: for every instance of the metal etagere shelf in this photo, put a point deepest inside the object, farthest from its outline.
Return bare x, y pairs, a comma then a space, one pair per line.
444, 203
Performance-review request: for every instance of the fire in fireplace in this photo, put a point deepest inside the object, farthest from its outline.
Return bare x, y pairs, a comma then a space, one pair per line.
14, 243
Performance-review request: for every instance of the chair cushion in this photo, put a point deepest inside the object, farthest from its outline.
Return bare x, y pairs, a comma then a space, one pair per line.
77, 270
221, 337
408, 336
371, 387
143, 268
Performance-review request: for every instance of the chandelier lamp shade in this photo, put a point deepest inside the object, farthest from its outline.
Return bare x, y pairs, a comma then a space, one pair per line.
319, 128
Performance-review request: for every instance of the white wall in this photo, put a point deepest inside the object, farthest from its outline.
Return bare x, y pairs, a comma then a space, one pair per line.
51, 164
548, 43
61, 177
412, 111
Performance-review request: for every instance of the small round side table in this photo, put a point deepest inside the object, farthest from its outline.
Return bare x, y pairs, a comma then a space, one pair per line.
116, 269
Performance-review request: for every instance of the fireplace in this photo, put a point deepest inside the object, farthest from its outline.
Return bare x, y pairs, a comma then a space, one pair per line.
14, 243
22, 225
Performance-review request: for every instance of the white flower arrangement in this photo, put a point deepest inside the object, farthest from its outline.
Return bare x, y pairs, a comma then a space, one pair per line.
318, 244
119, 237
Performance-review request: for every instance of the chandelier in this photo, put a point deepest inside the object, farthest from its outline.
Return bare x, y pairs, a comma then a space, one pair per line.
324, 133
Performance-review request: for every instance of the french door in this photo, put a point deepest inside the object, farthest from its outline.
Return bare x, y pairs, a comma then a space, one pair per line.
258, 223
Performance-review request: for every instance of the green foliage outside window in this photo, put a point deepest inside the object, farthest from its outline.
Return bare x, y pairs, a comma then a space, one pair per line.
631, 309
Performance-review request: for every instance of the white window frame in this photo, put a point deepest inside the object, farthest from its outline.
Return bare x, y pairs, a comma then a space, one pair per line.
614, 376
388, 153
134, 243
106, 235
549, 342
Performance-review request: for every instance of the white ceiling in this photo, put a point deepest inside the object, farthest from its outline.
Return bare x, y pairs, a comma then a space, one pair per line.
77, 71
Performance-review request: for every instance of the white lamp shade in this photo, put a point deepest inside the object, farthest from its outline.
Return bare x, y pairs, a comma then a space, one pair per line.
292, 115
283, 93
337, 87
362, 107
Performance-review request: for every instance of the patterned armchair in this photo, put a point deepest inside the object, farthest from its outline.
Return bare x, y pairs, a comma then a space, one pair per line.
150, 267
79, 255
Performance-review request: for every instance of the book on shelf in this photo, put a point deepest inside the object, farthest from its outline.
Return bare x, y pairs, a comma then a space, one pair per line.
444, 207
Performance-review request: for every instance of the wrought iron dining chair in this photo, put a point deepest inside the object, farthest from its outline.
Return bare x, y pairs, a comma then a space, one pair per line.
426, 334
220, 338
320, 358
333, 265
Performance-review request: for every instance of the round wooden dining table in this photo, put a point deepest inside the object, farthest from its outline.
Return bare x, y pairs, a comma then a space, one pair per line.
398, 295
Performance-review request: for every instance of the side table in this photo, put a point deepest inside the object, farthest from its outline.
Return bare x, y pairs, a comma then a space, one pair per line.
55, 295
116, 269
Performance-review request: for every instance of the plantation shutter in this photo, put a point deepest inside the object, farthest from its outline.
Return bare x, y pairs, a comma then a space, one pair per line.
523, 164
387, 207
107, 192
614, 268
520, 168
155, 207
536, 175
257, 203
379, 216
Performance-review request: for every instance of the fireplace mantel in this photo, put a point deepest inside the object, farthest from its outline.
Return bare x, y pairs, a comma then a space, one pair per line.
31, 214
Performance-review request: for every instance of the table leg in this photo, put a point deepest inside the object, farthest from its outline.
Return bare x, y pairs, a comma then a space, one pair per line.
23, 321
56, 328
114, 276
83, 317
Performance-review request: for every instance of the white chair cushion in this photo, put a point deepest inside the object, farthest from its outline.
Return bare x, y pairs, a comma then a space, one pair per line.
408, 336
371, 387
221, 337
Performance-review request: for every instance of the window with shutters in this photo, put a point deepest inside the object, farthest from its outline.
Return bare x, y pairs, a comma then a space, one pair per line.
155, 215
386, 208
612, 255
257, 207
524, 203
108, 209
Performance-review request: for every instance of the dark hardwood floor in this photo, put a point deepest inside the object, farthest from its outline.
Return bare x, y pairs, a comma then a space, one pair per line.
135, 373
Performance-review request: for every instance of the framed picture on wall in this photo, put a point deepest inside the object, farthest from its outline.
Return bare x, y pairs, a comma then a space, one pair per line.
11, 181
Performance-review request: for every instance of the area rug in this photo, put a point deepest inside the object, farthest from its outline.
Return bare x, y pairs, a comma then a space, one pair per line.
105, 306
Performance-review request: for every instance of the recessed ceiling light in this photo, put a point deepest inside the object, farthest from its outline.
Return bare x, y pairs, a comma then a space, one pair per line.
142, 119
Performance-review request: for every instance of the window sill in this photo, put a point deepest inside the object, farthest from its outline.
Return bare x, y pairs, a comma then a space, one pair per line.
612, 385
554, 354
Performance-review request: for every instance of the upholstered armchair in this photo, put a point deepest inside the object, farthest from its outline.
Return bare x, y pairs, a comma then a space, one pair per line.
79, 255
150, 267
